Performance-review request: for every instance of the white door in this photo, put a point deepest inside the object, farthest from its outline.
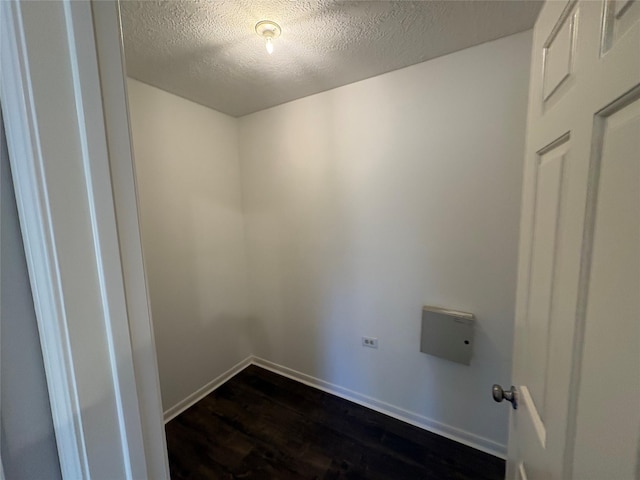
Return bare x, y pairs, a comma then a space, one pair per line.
577, 344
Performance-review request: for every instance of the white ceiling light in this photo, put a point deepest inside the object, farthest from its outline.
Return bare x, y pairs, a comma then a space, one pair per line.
268, 30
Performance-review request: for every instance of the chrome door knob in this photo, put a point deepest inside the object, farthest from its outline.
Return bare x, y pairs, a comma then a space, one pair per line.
511, 395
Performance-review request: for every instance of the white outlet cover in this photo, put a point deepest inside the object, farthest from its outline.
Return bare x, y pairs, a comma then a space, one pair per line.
371, 342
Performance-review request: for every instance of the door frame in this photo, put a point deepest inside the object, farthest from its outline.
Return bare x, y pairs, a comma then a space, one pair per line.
63, 97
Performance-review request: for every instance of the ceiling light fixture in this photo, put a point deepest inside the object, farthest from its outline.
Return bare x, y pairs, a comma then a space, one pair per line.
268, 30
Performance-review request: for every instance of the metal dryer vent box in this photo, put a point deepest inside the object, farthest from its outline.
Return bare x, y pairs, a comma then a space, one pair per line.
447, 334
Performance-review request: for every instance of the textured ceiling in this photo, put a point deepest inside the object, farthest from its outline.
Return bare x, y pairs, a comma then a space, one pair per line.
208, 51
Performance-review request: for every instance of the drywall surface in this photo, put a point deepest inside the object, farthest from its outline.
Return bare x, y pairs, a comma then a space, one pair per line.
369, 201
186, 159
27, 437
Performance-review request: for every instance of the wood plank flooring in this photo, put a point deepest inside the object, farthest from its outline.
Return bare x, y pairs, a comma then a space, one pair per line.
260, 425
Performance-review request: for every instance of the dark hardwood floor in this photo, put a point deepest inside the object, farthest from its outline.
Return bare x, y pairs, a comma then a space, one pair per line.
260, 425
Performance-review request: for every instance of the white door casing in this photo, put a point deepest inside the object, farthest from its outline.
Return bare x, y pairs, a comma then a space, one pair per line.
110, 53
577, 336
93, 319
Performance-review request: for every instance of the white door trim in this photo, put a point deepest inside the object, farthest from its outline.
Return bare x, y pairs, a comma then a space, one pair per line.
37, 231
2, 142
61, 161
108, 35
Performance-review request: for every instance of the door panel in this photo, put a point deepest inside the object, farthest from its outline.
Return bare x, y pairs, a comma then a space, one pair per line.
549, 334
559, 52
620, 16
577, 342
608, 428
545, 234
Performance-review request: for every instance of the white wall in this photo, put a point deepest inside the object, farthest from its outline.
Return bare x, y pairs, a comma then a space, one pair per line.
26, 428
361, 204
366, 202
186, 158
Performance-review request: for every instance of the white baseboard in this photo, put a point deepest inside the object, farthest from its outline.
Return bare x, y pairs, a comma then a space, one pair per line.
202, 392
461, 436
453, 433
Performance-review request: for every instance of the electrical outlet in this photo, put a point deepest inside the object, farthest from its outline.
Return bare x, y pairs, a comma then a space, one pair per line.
371, 342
